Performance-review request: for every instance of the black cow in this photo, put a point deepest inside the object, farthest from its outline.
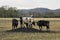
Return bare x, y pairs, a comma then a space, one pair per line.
41, 23
21, 21
14, 23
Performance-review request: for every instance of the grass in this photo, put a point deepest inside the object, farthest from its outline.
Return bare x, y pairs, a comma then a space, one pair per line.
5, 24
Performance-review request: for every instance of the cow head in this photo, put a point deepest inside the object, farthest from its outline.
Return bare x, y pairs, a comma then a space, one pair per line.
34, 23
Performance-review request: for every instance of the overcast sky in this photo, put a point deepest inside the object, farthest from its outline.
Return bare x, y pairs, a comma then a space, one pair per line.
29, 4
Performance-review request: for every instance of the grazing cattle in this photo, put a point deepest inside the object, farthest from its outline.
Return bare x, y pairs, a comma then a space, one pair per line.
26, 20
14, 23
43, 23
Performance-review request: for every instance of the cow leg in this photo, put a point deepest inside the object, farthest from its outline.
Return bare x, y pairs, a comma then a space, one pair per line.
40, 27
30, 25
47, 28
16, 27
27, 25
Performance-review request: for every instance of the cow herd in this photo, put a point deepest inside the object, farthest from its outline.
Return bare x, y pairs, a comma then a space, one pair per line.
28, 22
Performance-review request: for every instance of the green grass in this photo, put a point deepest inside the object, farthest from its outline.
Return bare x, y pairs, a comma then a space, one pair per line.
5, 24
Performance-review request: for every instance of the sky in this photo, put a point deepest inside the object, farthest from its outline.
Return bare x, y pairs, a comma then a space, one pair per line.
30, 4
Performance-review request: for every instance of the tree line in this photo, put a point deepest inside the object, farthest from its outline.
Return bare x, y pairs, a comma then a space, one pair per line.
12, 12
8, 12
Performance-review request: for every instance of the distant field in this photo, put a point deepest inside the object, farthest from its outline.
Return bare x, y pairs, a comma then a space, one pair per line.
5, 24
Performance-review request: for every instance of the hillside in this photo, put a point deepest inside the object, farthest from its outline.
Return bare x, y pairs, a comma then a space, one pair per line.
40, 10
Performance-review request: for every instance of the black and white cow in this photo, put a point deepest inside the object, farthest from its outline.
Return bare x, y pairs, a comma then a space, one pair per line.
26, 20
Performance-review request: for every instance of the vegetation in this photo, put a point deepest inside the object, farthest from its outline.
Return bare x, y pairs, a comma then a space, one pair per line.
12, 12
8, 12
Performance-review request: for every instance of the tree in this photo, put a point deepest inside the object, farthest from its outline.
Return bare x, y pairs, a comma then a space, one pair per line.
10, 12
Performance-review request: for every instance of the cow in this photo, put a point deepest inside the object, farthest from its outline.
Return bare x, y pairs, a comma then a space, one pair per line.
21, 21
41, 23
26, 20
14, 23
